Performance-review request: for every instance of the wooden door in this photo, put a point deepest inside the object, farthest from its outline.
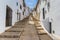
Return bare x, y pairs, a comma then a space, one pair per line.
8, 16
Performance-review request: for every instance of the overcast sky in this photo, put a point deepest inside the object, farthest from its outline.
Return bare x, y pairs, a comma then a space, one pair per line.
31, 3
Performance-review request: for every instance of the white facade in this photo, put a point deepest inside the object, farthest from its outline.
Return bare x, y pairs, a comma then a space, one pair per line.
26, 12
53, 16
15, 6
12, 5
21, 9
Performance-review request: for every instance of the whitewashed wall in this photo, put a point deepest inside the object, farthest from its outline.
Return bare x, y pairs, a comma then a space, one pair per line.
2, 15
21, 10
55, 15
26, 13
11, 4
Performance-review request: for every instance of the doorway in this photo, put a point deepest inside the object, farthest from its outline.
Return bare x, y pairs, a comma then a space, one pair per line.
8, 16
50, 24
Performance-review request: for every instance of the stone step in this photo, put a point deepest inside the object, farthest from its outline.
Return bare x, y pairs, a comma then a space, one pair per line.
41, 32
39, 28
19, 26
37, 22
10, 35
15, 30
37, 25
9, 38
21, 23
45, 37
16, 26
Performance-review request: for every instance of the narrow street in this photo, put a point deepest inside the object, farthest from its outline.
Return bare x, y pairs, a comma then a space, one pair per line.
29, 20
29, 32
25, 30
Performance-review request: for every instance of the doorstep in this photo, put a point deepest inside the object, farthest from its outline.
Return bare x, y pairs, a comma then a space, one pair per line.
6, 28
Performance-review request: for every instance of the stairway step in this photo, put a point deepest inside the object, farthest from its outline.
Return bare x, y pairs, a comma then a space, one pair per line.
14, 30
37, 25
45, 37
39, 28
10, 35
41, 32
9, 38
21, 23
18, 27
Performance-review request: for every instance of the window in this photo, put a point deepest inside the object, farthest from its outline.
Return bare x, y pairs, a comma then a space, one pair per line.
24, 3
48, 5
43, 13
23, 12
17, 3
20, 7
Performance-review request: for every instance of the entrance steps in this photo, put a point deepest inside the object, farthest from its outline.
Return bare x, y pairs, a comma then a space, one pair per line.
14, 30
10, 35
42, 34
9, 38
45, 37
39, 28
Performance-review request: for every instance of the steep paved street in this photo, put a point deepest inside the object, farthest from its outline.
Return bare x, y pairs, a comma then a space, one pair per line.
27, 29
29, 33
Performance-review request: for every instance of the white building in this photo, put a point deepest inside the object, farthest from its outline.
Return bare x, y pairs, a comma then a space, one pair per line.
54, 14
11, 11
50, 15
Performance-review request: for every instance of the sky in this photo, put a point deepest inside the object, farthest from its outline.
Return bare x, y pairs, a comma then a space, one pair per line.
31, 3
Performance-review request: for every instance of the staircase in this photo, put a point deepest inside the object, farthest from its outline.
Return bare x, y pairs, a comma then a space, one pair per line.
15, 32
22, 30
42, 34
11, 34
